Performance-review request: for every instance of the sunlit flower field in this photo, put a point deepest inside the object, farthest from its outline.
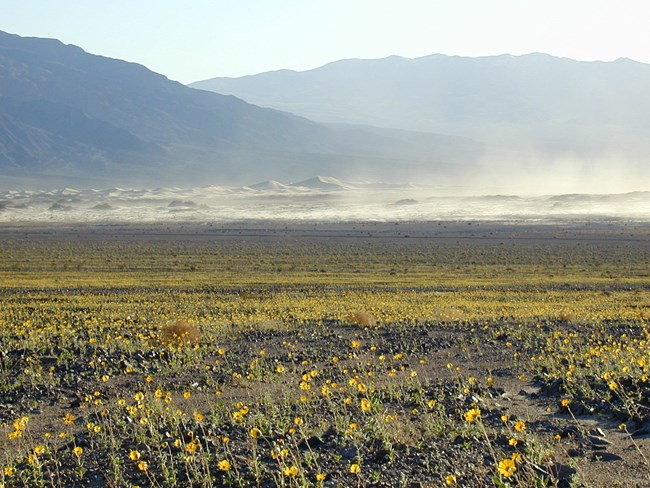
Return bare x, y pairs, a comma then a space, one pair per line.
504, 357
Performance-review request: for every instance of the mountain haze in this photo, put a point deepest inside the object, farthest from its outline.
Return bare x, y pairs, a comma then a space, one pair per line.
457, 95
66, 114
532, 103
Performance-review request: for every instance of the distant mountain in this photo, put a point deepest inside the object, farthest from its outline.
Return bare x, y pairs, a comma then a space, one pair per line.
69, 115
534, 102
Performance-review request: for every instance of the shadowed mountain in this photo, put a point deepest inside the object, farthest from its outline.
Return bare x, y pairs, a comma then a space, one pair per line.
65, 113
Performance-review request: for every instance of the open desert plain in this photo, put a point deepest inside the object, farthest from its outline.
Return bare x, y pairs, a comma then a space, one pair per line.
323, 354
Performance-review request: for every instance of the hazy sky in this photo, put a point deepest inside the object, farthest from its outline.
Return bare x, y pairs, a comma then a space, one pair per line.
198, 39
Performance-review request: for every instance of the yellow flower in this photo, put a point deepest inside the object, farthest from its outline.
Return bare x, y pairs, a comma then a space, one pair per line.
138, 397
193, 446
513, 442
507, 467
298, 421
355, 344
223, 465
68, 419
40, 450
134, 455
321, 476
450, 480
472, 414
143, 465
355, 468
520, 426
290, 471
366, 405
9, 471
78, 451
186, 394
255, 433
199, 417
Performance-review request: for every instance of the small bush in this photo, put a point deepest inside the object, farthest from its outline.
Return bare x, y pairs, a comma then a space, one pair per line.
362, 318
180, 332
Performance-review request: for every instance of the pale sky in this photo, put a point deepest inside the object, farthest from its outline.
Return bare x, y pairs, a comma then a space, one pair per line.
197, 39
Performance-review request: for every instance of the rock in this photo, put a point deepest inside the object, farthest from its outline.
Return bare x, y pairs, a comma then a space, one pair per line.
575, 453
597, 440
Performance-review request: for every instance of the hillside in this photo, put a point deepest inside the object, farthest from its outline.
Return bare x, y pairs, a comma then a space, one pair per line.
555, 105
66, 114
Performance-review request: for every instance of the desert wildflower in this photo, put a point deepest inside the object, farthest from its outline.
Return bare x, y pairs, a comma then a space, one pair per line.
520, 426
298, 421
321, 476
255, 433
186, 394
193, 446
355, 468
78, 451
134, 455
450, 480
472, 414
507, 467
138, 397
290, 471
512, 441
365, 405
40, 450
143, 465
68, 419
9, 471
224, 465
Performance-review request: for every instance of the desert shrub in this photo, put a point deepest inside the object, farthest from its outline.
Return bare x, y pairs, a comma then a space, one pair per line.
179, 332
362, 318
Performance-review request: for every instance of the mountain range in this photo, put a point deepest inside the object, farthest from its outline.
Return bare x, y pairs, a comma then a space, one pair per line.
535, 99
70, 116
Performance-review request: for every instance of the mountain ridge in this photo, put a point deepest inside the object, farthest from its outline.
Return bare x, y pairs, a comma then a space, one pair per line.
70, 114
485, 98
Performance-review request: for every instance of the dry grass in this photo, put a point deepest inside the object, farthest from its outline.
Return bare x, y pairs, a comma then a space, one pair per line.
363, 318
179, 332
